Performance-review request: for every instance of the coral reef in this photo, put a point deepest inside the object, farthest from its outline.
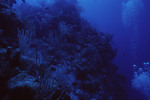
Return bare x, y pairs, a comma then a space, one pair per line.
57, 55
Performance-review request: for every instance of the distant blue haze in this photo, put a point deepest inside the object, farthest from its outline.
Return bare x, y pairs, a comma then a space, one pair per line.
129, 22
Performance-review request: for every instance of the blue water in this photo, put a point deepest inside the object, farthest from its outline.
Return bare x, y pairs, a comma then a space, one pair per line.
107, 16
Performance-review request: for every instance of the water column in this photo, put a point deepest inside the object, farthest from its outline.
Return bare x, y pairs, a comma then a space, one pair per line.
130, 12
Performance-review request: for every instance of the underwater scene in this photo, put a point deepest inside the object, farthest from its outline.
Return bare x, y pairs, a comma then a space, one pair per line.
74, 50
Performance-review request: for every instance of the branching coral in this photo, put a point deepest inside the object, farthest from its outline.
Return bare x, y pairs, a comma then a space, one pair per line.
24, 39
